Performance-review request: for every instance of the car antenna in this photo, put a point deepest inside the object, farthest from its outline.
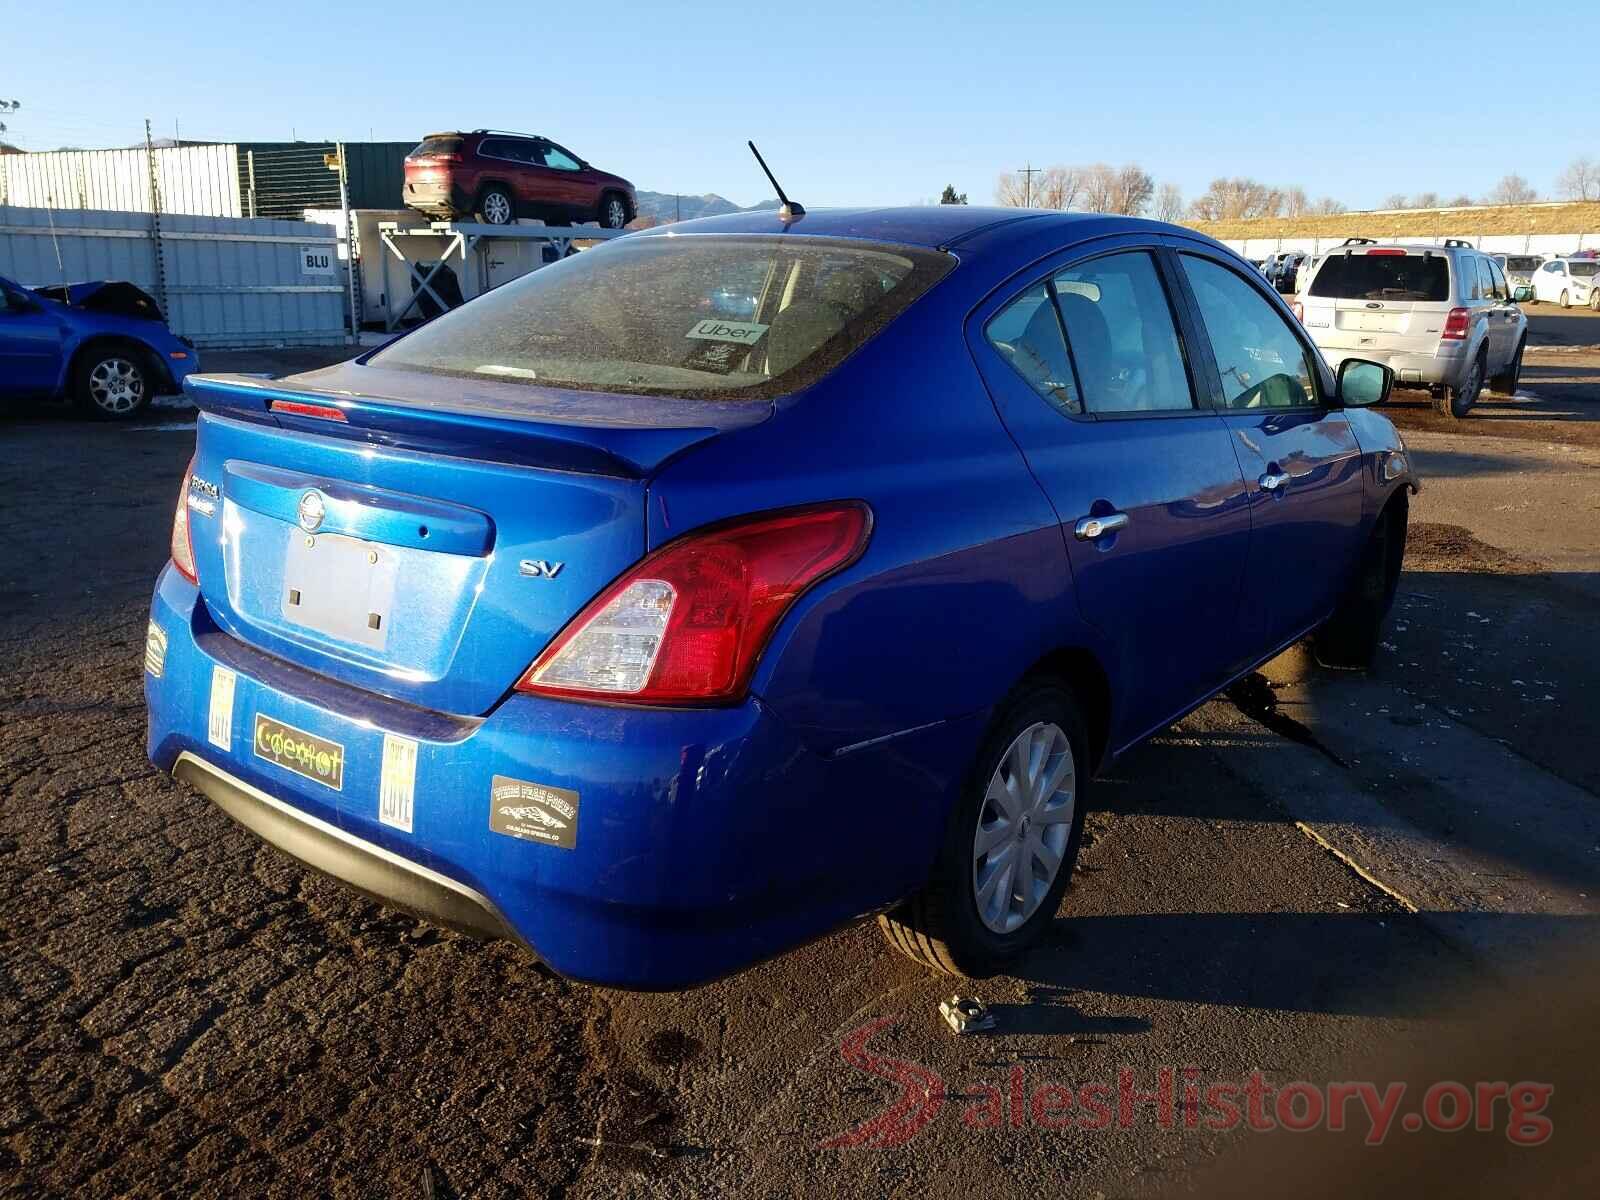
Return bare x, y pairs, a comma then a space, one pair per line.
791, 209
66, 292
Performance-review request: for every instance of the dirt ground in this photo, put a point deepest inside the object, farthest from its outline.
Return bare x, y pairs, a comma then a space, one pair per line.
187, 1013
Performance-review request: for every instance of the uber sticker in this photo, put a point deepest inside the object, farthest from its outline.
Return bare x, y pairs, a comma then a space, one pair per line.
746, 333
397, 784
219, 728
534, 811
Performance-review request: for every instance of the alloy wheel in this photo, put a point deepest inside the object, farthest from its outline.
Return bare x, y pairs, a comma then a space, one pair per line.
1022, 832
116, 386
616, 213
496, 209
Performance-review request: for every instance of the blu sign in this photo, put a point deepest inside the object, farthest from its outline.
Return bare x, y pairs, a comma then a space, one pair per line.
317, 260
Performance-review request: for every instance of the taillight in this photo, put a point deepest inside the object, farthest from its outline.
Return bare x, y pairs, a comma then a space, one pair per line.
688, 624
182, 543
1455, 325
1299, 311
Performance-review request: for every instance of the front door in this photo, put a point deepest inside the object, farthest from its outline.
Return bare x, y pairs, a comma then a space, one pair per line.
1090, 375
30, 347
1300, 460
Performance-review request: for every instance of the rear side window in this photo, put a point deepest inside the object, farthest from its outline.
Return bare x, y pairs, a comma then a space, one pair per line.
1414, 277
1587, 269
1522, 263
711, 317
1027, 333
1501, 292
1262, 363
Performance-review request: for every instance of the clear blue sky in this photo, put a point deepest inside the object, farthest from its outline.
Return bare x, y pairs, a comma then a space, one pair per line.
857, 102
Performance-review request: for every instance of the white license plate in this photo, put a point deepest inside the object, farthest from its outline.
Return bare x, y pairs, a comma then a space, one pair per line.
340, 586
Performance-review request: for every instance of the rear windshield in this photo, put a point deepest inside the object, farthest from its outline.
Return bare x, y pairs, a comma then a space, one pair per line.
1521, 262
1383, 277
1583, 268
712, 317
436, 145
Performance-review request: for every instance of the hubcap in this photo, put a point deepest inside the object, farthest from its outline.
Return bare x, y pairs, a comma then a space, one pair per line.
116, 385
496, 209
1023, 829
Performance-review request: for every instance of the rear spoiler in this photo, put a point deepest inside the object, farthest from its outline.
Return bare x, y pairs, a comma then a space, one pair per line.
617, 439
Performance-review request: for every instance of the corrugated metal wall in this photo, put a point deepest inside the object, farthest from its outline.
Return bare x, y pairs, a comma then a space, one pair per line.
221, 281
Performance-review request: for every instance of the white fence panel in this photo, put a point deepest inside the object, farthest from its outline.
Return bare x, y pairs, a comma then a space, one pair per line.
222, 281
1550, 245
190, 179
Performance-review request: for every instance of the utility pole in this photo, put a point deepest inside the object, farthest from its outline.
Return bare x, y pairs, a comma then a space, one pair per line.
1028, 172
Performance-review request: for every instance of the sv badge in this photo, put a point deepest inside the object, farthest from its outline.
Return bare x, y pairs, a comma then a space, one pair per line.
538, 568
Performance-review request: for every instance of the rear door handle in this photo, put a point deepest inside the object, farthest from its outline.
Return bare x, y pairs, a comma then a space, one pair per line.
1271, 482
1089, 528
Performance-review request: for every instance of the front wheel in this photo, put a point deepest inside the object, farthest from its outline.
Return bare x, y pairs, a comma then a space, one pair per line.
1350, 638
1506, 383
1010, 844
1566, 300
613, 211
112, 385
1594, 298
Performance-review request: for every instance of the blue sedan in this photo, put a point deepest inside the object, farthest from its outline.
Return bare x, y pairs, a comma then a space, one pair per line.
101, 345
662, 641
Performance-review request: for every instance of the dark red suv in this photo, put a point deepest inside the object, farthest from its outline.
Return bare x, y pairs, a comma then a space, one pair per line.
497, 177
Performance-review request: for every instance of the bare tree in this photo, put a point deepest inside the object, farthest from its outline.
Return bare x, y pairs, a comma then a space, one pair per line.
1426, 200
1513, 189
1581, 179
1131, 190
1059, 188
1011, 190
1169, 202
1326, 207
1461, 201
1295, 202
1237, 200
1397, 200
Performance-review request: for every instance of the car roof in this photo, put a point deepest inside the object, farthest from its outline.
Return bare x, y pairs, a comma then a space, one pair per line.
934, 226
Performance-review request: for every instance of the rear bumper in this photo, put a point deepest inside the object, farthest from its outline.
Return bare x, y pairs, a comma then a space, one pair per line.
705, 840
436, 197
1447, 367
368, 868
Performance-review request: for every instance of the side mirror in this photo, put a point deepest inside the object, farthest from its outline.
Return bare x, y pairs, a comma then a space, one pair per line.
1363, 383
1522, 294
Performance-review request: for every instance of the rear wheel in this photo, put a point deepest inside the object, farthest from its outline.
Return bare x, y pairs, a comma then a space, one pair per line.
1506, 382
1458, 401
113, 383
495, 206
1010, 845
1350, 638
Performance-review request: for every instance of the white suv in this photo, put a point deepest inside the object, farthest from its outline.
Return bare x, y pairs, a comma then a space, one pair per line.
1442, 317
1569, 281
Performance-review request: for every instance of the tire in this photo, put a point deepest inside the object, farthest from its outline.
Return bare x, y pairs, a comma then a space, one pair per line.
113, 382
942, 926
1457, 402
1594, 298
1566, 300
496, 206
1350, 638
1505, 384
613, 211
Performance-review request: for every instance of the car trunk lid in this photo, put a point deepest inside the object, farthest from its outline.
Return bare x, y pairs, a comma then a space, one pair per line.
1393, 300
422, 550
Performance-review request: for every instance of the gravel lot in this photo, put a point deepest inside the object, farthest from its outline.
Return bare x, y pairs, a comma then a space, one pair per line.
187, 1013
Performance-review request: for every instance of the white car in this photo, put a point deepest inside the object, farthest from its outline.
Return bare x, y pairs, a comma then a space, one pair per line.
1569, 281
1441, 317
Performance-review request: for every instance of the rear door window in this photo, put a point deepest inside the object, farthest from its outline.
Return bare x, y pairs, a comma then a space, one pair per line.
712, 317
1027, 333
1522, 264
1394, 277
1501, 292
1262, 363
1122, 336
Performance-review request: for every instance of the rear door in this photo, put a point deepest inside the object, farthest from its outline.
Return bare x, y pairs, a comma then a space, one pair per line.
1089, 373
1300, 460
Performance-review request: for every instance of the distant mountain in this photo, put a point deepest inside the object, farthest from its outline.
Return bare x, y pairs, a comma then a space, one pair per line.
665, 206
